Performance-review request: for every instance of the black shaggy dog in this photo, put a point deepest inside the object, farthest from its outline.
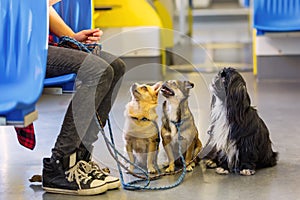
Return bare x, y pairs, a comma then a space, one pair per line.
239, 139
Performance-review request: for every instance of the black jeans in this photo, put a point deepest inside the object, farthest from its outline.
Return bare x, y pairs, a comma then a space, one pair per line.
99, 76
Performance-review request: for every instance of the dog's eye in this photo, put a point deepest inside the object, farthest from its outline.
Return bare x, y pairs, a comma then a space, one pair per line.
223, 74
144, 88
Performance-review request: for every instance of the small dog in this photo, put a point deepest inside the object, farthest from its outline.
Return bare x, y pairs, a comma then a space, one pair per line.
239, 139
141, 132
176, 110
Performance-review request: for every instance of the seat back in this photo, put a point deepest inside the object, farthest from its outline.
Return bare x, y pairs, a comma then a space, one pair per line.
276, 15
23, 54
76, 13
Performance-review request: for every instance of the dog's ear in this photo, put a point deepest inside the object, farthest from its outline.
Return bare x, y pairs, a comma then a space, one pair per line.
188, 84
238, 94
156, 87
238, 101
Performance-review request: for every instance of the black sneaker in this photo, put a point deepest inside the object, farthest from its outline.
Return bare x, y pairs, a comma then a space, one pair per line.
74, 181
97, 173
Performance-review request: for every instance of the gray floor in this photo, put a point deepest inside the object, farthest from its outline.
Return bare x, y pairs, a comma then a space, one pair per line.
278, 103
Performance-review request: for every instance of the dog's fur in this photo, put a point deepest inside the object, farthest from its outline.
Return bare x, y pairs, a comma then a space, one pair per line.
141, 132
176, 110
239, 139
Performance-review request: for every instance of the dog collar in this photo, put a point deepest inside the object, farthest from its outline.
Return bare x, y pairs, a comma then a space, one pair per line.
141, 119
178, 124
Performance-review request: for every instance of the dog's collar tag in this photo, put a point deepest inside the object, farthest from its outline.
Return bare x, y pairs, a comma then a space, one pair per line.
177, 124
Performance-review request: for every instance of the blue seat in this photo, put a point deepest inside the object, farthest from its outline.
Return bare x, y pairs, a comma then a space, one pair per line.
23, 54
246, 3
78, 15
66, 82
276, 15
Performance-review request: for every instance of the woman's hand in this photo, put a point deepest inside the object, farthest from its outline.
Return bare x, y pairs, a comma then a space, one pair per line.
88, 36
60, 28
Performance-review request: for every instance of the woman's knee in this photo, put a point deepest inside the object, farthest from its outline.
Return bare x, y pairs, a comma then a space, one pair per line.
119, 67
94, 70
117, 64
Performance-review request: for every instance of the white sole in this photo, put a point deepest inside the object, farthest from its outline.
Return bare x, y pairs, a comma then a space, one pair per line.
92, 191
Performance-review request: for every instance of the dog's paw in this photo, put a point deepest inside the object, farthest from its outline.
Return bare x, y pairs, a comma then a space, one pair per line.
247, 172
193, 164
151, 170
189, 168
171, 168
222, 171
210, 164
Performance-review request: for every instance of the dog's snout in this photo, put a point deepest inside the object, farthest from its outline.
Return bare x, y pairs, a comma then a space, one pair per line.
164, 86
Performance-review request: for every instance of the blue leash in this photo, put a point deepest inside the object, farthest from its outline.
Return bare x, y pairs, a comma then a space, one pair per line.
135, 185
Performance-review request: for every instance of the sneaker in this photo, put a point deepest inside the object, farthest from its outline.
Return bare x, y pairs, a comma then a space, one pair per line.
74, 181
97, 173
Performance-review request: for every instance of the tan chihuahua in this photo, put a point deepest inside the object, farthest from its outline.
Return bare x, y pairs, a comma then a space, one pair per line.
141, 132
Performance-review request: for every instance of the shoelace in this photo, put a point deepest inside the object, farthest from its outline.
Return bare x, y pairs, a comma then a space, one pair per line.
97, 171
78, 172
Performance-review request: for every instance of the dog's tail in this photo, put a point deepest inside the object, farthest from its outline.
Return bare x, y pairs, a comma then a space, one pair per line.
270, 161
274, 158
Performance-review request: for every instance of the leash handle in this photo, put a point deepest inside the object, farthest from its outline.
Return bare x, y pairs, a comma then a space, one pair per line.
69, 42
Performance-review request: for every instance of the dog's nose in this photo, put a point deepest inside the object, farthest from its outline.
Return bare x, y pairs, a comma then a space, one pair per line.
134, 86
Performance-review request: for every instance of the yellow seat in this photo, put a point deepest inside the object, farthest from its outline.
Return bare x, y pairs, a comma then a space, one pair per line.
151, 26
125, 13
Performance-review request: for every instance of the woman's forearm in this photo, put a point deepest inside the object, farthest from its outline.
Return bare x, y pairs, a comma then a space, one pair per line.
57, 26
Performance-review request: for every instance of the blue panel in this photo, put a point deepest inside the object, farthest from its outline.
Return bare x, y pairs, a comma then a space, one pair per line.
23, 54
276, 15
76, 13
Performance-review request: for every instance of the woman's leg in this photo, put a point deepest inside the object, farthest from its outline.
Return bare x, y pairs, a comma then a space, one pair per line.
96, 76
119, 69
105, 106
63, 173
